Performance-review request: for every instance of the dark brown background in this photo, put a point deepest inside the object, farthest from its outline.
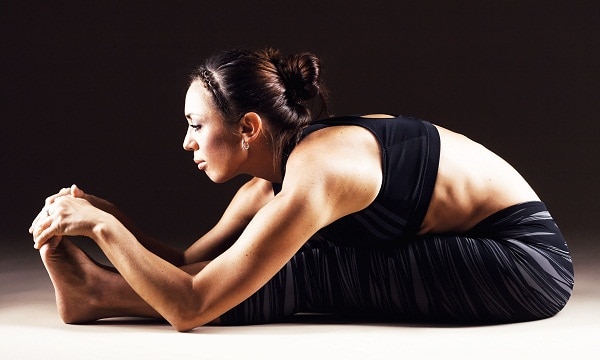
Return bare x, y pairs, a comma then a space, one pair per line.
92, 93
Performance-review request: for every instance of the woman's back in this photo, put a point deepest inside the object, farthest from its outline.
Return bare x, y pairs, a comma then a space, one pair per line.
472, 184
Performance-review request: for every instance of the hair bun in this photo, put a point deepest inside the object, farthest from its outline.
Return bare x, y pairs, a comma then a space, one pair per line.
300, 75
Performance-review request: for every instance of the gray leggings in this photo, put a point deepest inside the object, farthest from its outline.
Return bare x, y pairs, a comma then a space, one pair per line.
513, 266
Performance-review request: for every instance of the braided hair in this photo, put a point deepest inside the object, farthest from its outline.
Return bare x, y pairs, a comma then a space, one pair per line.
280, 88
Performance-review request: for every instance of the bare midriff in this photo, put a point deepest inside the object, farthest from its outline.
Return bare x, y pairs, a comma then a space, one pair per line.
472, 184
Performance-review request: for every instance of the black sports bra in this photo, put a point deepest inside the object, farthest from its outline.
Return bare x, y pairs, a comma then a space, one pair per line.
410, 151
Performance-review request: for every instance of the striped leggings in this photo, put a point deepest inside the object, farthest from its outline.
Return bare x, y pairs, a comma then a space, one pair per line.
513, 266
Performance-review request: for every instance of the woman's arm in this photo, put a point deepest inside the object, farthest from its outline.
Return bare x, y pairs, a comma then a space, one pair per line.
316, 192
167, 252
185, 300
249, 199
245, 204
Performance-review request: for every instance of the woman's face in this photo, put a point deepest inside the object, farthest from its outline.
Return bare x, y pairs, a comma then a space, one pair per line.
216, 145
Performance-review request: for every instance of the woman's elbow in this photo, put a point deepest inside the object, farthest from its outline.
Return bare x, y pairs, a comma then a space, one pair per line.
185, 318
183, 323
183, 326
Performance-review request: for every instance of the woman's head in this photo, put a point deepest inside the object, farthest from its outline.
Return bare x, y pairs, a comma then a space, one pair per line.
278, 88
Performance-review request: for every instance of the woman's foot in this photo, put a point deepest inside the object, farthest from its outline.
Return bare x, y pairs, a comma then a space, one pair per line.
73, 275
84, 290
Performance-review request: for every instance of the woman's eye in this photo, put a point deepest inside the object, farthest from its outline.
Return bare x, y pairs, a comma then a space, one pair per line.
195, 127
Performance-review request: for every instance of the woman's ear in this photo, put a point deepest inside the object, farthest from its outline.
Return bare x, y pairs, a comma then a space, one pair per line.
251, 125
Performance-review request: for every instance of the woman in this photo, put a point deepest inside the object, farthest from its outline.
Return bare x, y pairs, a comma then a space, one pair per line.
376, 214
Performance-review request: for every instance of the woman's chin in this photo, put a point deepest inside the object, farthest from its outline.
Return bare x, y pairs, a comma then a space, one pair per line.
217, 178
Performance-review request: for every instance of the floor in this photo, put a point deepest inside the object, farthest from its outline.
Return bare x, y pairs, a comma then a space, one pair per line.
30, 328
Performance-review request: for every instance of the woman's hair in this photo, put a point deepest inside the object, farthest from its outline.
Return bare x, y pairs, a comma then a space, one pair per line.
280, 88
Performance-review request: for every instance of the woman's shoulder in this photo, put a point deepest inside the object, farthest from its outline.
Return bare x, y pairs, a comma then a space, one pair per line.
337, 169
337, 155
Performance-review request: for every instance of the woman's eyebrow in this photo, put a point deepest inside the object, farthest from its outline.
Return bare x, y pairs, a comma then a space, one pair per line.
190, 115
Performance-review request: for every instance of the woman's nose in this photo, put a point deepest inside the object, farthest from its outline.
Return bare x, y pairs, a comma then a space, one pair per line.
188, 143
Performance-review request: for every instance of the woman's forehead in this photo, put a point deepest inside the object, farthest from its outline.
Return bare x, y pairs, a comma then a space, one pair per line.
197, 99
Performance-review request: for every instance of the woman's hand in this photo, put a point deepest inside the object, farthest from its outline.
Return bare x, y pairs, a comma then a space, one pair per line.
96, 201
65, 215
75, 191
169, 253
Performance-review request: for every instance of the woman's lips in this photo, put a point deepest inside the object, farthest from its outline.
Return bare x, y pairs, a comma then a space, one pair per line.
201, 164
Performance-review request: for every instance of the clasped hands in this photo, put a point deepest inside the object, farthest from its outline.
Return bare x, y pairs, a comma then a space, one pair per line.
66, 213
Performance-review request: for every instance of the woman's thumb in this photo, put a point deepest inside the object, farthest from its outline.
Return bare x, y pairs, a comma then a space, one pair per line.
76, 192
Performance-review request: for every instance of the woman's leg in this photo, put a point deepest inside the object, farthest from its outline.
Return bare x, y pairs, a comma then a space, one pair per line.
515, 266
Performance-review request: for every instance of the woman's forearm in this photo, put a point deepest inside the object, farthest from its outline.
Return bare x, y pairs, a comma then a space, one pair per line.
169, 253
165, 287
163, 250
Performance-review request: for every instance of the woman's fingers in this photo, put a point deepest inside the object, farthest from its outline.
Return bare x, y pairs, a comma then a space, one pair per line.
50, 223
68, 216
45, 237
35, 220
44, 229
76, 191
62, 192
73, 191
45, 212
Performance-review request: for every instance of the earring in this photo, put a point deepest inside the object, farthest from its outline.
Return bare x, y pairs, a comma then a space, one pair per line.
245, 145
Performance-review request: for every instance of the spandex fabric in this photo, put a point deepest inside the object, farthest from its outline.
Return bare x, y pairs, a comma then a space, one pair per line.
513, 266
410, 150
